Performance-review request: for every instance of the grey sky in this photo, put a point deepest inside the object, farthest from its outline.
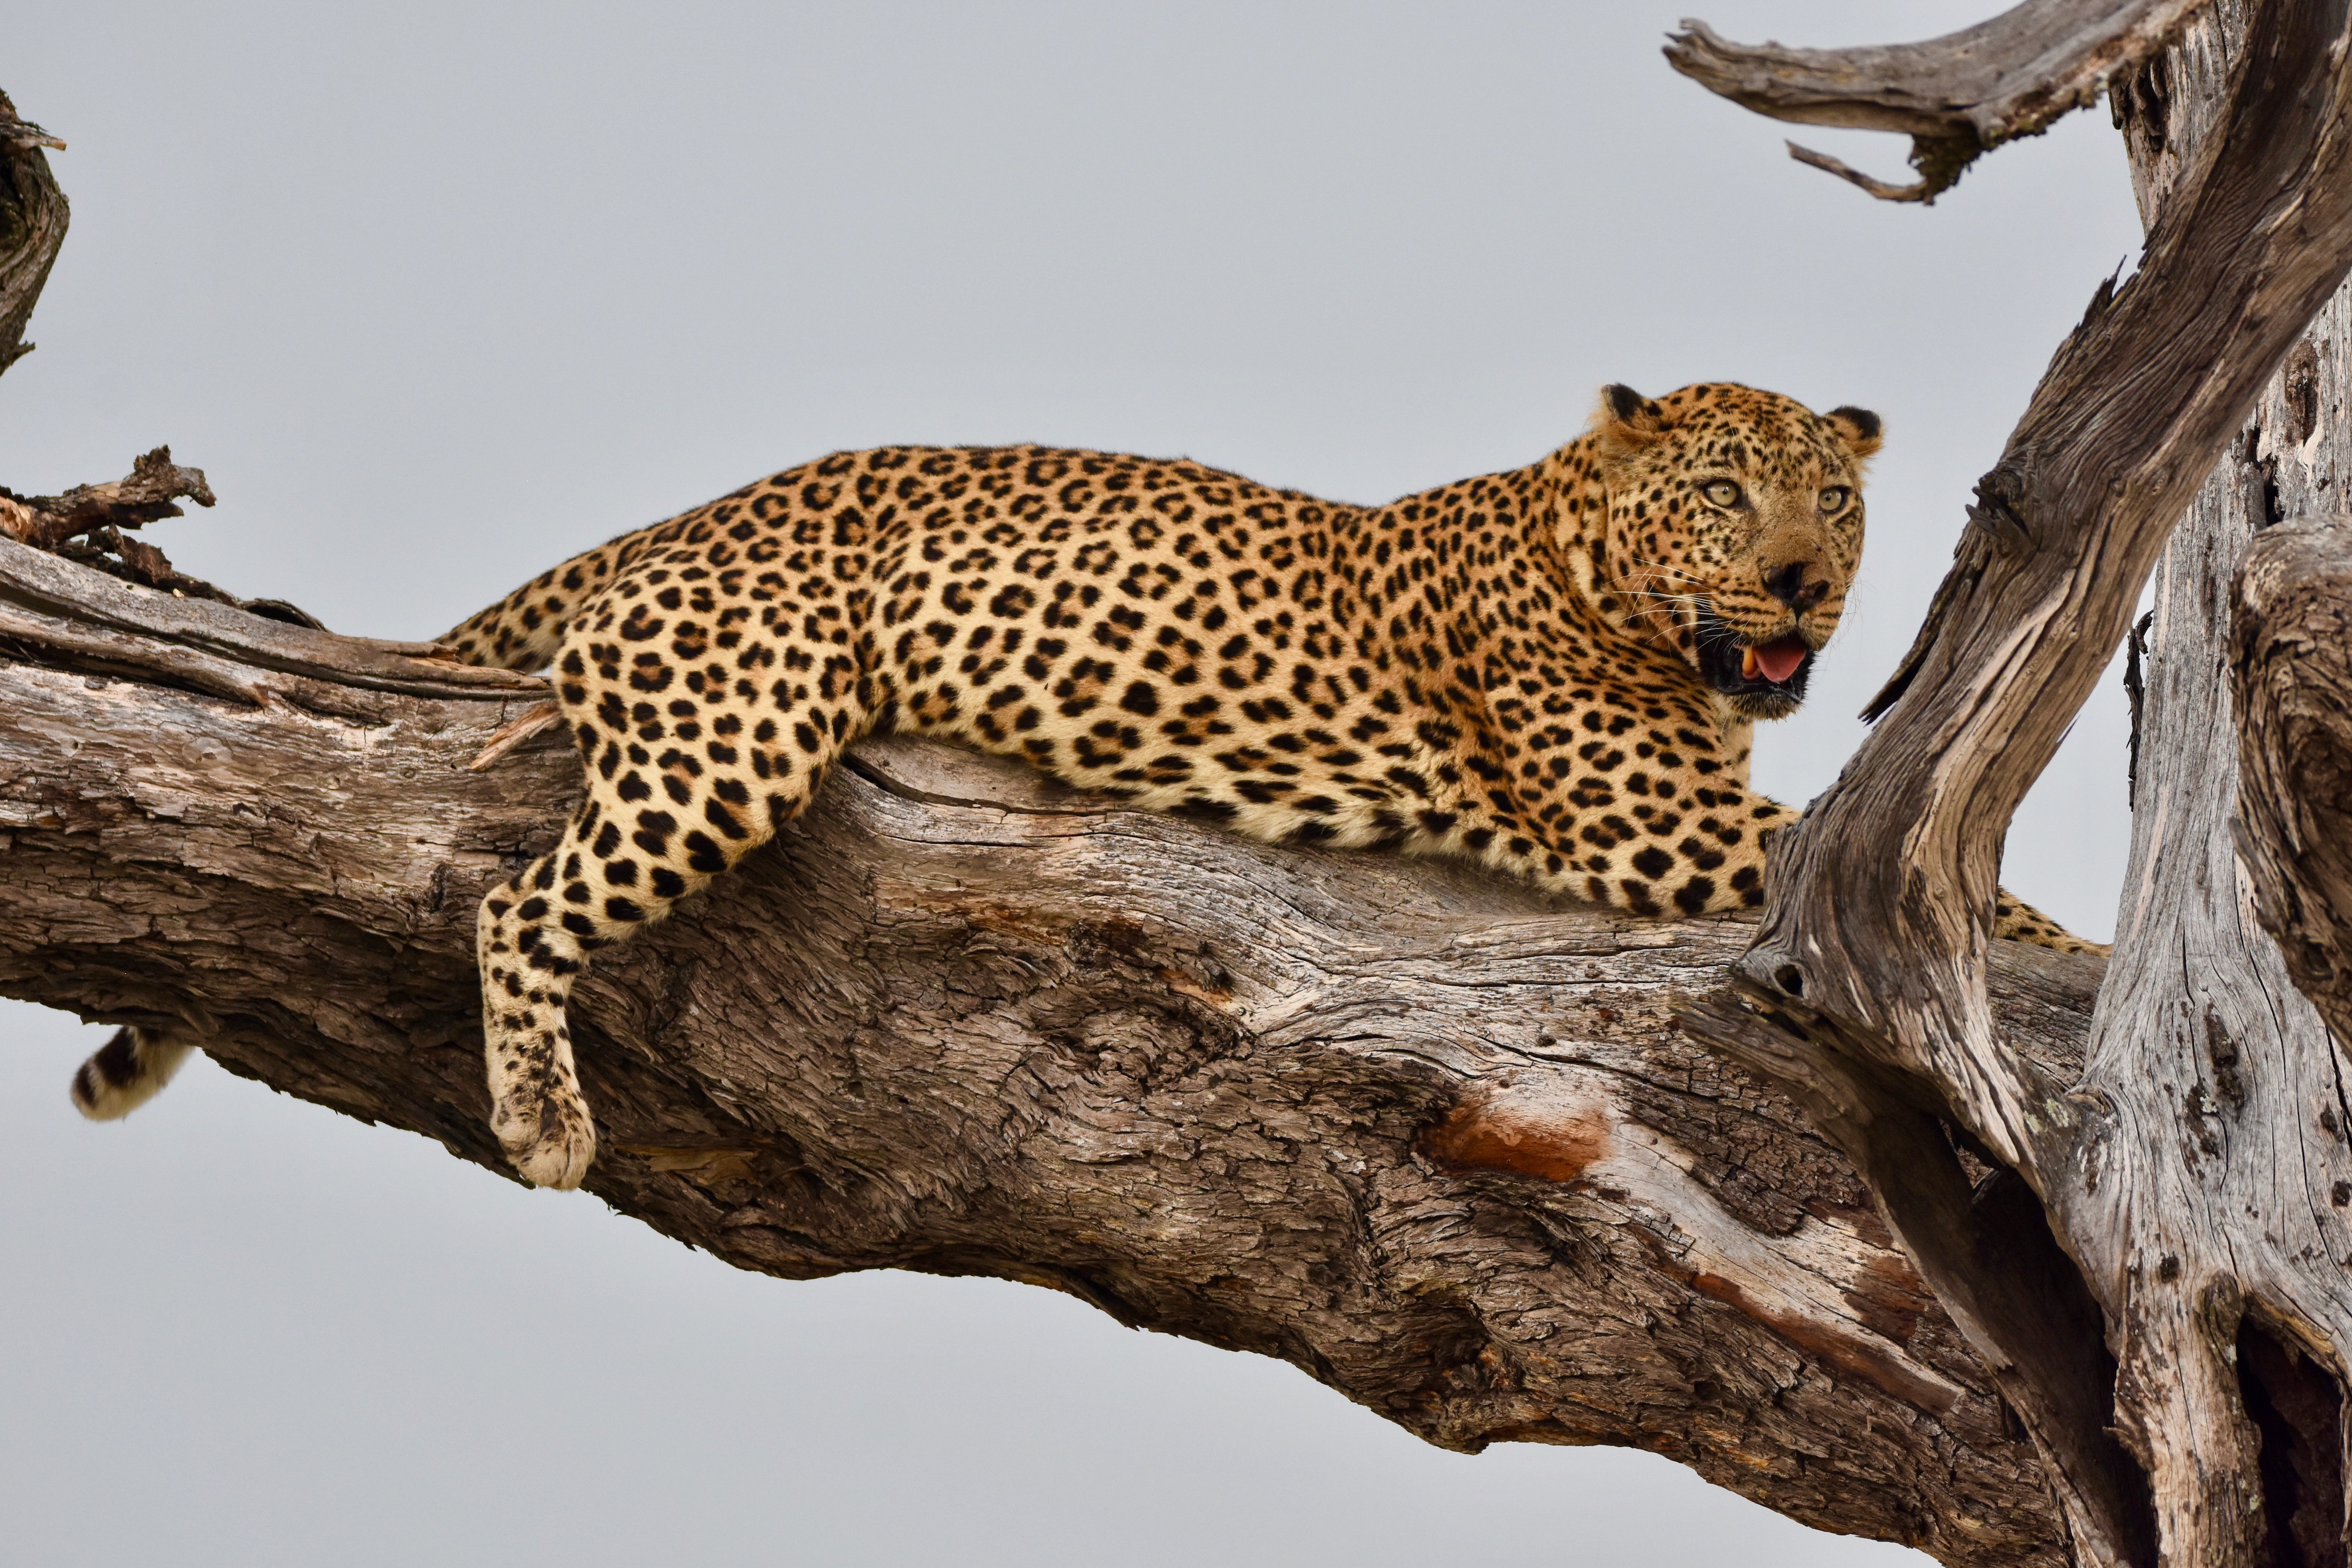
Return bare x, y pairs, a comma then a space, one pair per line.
438, 294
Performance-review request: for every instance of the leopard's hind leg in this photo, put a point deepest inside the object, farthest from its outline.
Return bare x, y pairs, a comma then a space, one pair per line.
532, 939
683, 781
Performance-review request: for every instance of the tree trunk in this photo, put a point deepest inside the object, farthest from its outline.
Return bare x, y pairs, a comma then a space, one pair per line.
2291, 622
2151, 1270
2214, 1167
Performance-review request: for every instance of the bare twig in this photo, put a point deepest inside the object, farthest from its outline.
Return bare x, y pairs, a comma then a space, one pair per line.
88, 524
534, 720
150, 491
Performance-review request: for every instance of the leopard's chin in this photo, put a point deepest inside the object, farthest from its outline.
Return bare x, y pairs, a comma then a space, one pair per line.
1742, 670
1763, 704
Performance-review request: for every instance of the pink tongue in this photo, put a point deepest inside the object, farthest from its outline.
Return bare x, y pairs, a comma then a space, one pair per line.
1780, 660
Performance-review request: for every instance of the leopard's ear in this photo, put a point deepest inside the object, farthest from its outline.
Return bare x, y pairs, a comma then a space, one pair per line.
1857, 428
1627, 421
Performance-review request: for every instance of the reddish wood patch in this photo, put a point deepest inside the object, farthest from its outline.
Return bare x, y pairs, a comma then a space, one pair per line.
1530, 1135
1847, 1352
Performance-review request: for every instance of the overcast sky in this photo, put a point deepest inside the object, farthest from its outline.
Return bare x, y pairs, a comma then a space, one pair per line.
437, 294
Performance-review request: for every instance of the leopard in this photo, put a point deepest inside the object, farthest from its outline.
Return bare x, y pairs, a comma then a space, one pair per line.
1553, 671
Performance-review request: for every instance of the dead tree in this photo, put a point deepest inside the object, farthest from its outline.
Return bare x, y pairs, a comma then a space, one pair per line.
1895, 1229
2151, 1265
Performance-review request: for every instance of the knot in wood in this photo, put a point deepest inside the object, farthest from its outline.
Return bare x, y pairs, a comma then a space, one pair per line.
2004, 501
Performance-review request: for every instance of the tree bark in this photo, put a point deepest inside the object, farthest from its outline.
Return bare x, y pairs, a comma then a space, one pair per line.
33, 217
2291, 676
2214, 1107
2211, 1168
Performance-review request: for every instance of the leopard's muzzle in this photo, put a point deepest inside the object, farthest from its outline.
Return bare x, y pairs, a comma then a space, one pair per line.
1762, 680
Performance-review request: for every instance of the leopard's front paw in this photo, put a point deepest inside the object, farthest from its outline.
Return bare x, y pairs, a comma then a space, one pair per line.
549, 1137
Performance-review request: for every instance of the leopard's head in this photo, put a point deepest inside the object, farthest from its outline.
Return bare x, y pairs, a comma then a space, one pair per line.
1731, 530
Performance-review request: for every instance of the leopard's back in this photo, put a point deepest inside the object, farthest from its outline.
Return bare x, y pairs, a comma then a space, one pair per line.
1422, 673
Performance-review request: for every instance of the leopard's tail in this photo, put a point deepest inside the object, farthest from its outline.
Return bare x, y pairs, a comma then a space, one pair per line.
126, 1072
523, 631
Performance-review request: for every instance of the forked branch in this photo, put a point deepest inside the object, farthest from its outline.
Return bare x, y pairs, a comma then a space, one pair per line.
1956, 97
1880, 903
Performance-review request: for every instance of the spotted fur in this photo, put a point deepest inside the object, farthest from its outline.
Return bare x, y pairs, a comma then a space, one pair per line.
1553, 671
127, 1071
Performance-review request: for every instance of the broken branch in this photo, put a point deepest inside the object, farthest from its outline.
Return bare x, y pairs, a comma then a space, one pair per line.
1956, 97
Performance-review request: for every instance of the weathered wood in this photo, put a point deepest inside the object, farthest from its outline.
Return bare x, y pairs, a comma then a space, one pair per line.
33, 217
2203, 1195
2199, 1199
1956, 97
1885, 888
1431, 1138
2291, 677
2184, 1237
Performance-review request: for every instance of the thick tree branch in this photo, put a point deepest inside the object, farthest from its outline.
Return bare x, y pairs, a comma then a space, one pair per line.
1428, 1137
1957, 97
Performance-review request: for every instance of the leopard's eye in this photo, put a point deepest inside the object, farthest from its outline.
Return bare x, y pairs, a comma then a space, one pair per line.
1720, 492
1833, 497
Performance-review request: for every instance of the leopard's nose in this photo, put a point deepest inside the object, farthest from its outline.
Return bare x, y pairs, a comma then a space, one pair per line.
1793, 587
